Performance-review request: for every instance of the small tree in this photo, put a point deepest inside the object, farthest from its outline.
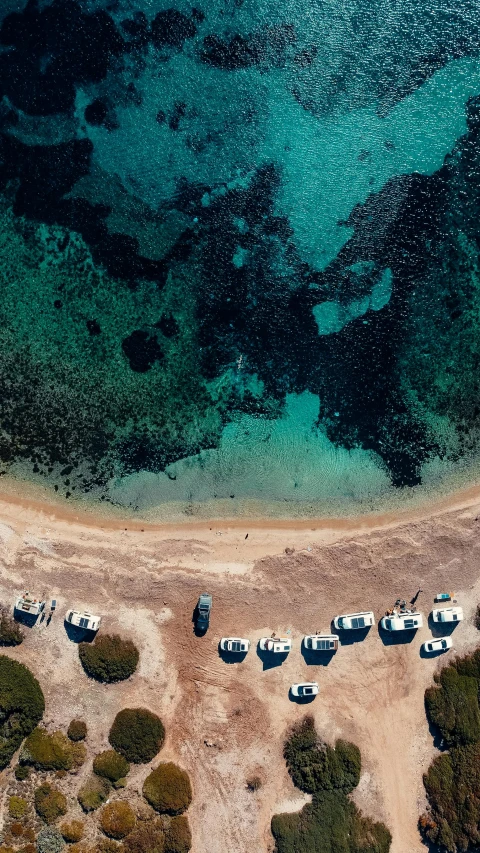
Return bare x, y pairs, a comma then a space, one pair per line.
117, 820
11, 633
137, 734
50, 803
168, 789
109, 658
111, 765
77, 730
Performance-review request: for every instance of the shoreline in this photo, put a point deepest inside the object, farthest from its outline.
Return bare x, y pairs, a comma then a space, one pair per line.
34, 500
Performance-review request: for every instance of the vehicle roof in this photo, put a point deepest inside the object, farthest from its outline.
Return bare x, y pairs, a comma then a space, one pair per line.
360, 613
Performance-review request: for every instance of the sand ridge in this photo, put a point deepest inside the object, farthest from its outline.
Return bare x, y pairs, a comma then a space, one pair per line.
227, 722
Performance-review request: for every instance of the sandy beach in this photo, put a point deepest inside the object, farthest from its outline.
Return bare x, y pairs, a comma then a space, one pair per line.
227, 722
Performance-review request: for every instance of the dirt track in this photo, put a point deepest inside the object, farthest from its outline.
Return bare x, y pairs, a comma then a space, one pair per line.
226, 722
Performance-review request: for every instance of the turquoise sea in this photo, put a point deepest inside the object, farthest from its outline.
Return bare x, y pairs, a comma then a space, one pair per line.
239, 252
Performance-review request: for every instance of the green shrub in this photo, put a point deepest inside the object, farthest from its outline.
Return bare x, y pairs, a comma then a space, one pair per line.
50, 803
93, 793
49, 840
21, 706
77, 730
72, 831
17, 807
453, 707
51, 751
117, 819
315, 766
178, 838
111, 765
331, 823
168, 789
22, 772
109, 658
11, 633
137, 734
147, 837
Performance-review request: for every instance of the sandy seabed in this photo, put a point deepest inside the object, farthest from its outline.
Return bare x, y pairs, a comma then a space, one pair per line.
227, 722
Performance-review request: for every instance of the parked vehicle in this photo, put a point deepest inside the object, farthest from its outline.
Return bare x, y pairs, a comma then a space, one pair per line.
448, 614
354, 621
440, 645
204, 608
321, 642
444, 596
234, 644
408, 621
27, 604
304, 690
276, 645
83, 620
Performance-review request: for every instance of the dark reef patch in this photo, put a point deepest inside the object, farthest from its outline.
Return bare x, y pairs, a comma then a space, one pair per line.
142, 350
172, 28
50, 50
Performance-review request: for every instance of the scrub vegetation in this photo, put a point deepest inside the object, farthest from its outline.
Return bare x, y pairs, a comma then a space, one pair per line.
331, 822
452, 782
111, 765
109, 658
137, 734
168, 789
11, 633
21, 706
51, 751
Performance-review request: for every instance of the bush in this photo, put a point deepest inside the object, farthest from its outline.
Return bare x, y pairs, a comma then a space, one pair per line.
11, 633
331, 822
111, 765
49, 840
22, 772
254, 783
453, 707
147, 837
178, 838
17, 807
109, 658
72, 831
137, 734
50, 803
93, 793
21, 706
16, 829
77, 730
168, 789
117, 819
315, 766
51, 751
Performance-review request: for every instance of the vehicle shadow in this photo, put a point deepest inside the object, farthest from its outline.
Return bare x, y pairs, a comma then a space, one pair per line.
396, 638
348, 638
270, 660
78, 635
441, 629
231, 657
300, 700
199, 631
28, 620
313, 658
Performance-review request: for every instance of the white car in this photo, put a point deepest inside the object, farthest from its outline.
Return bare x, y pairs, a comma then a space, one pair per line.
448, 614
83, 620
234, 644
276, 645
304, 690
440, 645
409, 621
354, 621
321, 642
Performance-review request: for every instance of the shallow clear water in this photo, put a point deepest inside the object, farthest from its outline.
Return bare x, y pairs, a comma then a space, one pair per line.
239, 252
